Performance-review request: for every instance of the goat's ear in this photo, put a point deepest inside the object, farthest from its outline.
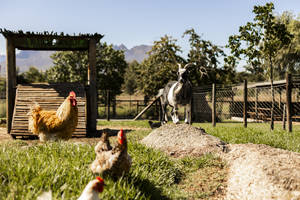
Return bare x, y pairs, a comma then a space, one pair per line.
177, 73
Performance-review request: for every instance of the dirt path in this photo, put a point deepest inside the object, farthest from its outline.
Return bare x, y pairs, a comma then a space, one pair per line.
259, 171
256, 171
3, 135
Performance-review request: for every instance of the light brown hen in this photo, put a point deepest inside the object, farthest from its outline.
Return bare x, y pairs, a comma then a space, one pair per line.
115, 161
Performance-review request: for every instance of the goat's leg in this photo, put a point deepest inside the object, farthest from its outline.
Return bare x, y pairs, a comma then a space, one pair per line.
175, 115
164, 117
164, 113
188, 114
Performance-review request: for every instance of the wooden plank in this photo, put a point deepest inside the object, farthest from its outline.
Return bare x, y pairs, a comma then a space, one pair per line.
146, 108
10, 82
92, 108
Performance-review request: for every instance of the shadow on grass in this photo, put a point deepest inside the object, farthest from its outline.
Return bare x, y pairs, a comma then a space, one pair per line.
147, 188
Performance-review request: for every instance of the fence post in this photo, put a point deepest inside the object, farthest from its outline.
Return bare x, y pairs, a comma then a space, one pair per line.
108, 105
245, 108
213, 99
283, 116
256, 103
289, 101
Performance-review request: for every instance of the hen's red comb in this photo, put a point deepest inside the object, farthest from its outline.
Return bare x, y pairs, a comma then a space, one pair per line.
72, 93
100, 179
121, 132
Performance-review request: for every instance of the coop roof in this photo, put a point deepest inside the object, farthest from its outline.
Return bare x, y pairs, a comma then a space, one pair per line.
49, 40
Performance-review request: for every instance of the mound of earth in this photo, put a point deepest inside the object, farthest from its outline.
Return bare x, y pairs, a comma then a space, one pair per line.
259, 171
181, 140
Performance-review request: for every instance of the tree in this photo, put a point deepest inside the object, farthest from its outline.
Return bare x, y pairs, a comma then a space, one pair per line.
160, 67
288, 58
111, 67
262, 40
69, 66
72, 67
205, 54
33, 75
130, 77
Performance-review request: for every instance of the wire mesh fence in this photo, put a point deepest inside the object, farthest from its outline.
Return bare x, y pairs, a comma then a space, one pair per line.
127, 109
230, 104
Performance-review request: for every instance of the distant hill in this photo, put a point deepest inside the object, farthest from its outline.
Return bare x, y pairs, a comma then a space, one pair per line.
25, 59
42, 60
138, 53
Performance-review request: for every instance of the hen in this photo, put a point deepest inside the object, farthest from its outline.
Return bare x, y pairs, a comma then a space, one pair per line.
54, 125
92, 189
90, 192
103, 144
115, 161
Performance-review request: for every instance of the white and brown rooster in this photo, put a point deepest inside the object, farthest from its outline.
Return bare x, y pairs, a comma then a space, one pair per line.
113, 161
54, 125
92, 189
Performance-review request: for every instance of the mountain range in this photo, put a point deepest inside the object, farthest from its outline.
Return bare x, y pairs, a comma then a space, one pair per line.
42, 60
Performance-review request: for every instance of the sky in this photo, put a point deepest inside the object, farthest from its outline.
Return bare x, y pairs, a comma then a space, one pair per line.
135, 22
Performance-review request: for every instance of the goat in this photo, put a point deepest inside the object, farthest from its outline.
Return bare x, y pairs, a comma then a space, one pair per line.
177, 93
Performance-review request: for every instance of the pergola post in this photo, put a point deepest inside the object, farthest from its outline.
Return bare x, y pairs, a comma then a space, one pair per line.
11, 81
92, 109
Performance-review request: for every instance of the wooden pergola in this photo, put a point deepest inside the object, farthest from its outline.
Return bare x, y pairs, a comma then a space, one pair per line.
51, 41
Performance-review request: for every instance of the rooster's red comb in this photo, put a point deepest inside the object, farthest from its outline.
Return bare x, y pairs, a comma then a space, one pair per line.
72, 93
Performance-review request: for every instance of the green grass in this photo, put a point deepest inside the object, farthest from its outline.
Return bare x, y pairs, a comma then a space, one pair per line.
127, 112
62, 167
256, 133
235, 133
2, 108
127, 123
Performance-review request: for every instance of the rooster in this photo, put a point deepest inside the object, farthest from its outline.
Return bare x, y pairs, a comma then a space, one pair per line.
92, 189
54, 125
115, 161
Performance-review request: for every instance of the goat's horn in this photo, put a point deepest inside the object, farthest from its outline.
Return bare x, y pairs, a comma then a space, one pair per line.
203, 70
187, 65
179, 65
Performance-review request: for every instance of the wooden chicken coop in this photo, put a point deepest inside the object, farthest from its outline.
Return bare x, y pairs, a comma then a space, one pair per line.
50, 42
